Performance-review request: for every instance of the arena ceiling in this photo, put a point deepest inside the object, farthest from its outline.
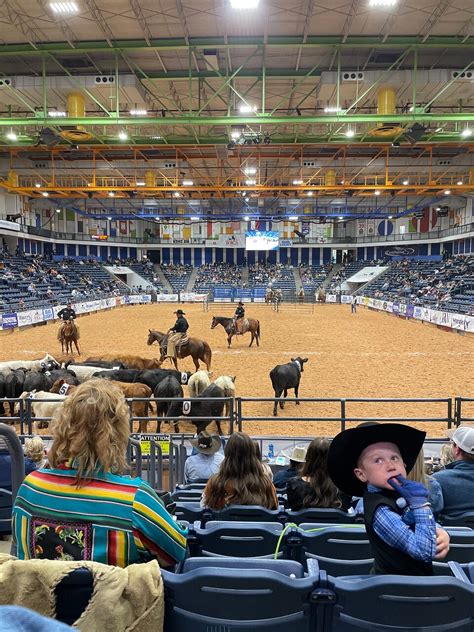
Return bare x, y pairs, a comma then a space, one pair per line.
212, 102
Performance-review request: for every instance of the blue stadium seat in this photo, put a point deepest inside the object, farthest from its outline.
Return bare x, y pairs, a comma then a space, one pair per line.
234, 539
329, 516
238, 594
187, 495
396, 603
463, 520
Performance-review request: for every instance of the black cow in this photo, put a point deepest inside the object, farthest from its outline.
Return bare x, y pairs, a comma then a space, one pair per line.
152, 377
197, 407
120, 375
168, 387
286, 376
14, 386
64, 374
99, 364
37, 381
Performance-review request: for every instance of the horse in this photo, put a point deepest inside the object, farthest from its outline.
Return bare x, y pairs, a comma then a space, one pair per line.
194, 347
68, 337
228, 323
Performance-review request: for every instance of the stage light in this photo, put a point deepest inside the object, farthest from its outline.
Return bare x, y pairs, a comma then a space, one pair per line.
195, 217
109, 217
157, 218
140, 183
382, 3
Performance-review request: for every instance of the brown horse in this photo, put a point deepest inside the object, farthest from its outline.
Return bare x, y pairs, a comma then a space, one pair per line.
197, 349
228, 324
68, 337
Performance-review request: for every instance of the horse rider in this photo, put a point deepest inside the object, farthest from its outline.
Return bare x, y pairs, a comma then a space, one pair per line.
176, 333
239, 316
67, 313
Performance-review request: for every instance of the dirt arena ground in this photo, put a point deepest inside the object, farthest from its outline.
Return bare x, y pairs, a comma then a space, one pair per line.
368, 354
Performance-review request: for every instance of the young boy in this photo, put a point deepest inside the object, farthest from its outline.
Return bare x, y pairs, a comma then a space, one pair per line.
373, 461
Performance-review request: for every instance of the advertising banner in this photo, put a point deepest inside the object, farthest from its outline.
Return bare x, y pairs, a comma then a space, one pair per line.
167, 298
330, 298
24, 318
417, 312
409, 310
48, 313
192, 297
9, 321
346, 298
396, 308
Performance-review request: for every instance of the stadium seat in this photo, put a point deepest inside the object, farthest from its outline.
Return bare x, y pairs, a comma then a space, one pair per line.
329, 516
463, 520
397, 603
187, 495
237, 594
235, 539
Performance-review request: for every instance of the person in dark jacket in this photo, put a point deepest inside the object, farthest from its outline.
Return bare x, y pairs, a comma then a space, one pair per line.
67, 313
176, 333
297, 459
239, 316
373, 461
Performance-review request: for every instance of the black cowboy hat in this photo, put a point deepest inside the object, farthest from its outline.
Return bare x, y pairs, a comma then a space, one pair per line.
240, 303
179, 312
347, 446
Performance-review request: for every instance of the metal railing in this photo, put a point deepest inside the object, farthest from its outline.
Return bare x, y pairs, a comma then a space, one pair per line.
460, 416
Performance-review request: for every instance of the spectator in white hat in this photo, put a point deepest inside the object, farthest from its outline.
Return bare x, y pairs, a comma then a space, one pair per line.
201, 466
297, 459
457, 479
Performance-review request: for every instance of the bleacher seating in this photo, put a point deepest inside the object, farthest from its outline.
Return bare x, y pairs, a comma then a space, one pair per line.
312, 277
146, 271
276, 276
217, 275
177, 275
347, 271
33, 282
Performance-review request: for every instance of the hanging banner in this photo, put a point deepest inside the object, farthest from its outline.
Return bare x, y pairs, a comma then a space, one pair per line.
361, 227
371, 227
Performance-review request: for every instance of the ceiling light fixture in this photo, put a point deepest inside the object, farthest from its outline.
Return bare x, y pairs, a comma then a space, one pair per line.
309, 193
247, 199
140, 183
57, 114
246, 109
297, 182
45, 194
138, 112
157, 218
377, 192
405, 182
382, 3
250, 182
332, 109
177, 194
390, 217
156, 137
341, 217
109, 217
111, 194
244, 4
58, 210
11, 135
250, 171
459, 183
293, 218
350, 133
38, 185
122, 135
467, 131
195, 217
63, 8
188, 183
246, 218
438, 130
447, 192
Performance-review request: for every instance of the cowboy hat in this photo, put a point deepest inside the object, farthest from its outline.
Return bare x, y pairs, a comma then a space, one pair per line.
206, 443
347, 446
298, 454
180, 311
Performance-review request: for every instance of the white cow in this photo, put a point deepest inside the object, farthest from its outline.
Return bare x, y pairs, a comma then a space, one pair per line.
41, 408
5, 367
227, 384
84, 373
198, 382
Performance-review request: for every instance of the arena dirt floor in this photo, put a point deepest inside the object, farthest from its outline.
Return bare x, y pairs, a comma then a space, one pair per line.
367, 355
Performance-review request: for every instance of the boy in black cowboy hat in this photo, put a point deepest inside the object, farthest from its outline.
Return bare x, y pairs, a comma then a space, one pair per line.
372, 461
175, 334
239, 315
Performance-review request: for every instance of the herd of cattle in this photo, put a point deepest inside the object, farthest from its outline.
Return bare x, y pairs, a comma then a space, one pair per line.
45, 383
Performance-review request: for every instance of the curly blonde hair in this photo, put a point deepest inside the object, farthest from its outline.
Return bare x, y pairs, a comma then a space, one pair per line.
34, 449
92, 428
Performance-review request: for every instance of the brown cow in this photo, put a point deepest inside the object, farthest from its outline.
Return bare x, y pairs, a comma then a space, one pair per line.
139, 409
128, 361
56, 387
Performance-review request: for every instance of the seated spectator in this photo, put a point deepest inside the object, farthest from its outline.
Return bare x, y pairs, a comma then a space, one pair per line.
34, 450
297, 459
266, 467
419, 475
313, 487
373, 461
457, 479
85, 507
201, 466
241, 479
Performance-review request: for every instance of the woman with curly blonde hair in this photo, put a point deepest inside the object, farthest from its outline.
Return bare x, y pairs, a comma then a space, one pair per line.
85, 507
241, 479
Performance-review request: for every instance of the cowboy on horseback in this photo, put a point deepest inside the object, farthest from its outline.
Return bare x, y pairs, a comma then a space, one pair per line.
67, 313
239, 316
176, 333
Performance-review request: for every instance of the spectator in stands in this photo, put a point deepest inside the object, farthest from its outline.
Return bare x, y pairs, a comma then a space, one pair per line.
241, 479
297, 459
201, 466
373, 461
21, 304
313, 487
85, 507
267, 469
457, 479
419, 475
34, 450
